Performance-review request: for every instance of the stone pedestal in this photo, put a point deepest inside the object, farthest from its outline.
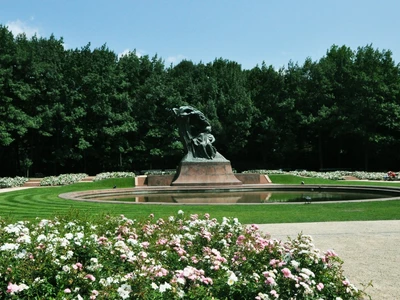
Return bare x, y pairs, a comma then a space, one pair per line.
205, 173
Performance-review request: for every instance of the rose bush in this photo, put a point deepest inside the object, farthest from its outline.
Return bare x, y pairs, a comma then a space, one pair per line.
62, 179
107, 175
334, 175
175, 258
159, 172
8, 182
268, 172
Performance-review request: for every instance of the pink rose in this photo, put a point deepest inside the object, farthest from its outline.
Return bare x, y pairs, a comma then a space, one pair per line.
286, 272
91, 277
12, 288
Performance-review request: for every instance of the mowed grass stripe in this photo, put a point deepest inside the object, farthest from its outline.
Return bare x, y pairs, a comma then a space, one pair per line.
292, 179
247, 214
44, 203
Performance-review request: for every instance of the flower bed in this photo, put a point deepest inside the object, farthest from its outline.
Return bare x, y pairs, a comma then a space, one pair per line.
267, 172
8, 182
108, 175
62, 179
369, 175
180, 257
335, 175
159, 172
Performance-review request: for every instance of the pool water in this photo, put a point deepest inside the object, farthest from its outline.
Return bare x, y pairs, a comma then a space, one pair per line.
245, 197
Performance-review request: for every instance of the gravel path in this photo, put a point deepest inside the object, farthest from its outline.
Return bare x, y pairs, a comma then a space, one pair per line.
369, 249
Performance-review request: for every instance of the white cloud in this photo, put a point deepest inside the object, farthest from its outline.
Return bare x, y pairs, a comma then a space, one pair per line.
18, 27
139, 53
66, 46
123, 53
127, 51
175, 59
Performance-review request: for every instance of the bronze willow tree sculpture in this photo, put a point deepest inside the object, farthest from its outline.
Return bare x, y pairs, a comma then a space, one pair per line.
195, 132
202, 164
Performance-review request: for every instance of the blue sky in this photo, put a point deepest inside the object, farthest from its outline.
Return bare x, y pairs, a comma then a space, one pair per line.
248, 32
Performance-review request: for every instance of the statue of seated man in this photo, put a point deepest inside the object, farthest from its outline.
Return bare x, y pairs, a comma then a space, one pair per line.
204, 147
195, 132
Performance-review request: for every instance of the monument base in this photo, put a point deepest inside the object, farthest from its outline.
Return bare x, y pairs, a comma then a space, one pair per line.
205, 173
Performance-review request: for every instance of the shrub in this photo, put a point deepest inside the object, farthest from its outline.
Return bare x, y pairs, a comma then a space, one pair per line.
8, 182
159, 172
108, 175
268, 172
179, 257
369, 175
62, 179
335, 175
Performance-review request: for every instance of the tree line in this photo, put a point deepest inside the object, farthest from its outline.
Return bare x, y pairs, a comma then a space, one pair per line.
89, 110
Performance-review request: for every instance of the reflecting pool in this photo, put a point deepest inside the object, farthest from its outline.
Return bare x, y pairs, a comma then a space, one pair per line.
243, 197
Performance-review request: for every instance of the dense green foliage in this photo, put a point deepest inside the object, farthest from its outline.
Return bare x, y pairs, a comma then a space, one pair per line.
89, 111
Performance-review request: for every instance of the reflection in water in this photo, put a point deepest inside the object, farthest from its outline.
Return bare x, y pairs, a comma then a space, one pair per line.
244, 197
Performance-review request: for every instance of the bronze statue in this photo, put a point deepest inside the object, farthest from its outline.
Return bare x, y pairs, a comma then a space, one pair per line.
202, 165
195, 132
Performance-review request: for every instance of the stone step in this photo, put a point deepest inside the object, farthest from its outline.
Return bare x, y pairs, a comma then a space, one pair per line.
32, 182
350, 178
87, 179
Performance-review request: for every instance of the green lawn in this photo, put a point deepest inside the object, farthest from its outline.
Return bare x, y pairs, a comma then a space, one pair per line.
292, 179
44, 203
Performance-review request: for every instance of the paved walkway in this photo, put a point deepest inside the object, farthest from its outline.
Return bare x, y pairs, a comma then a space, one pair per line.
369, 249
14, 189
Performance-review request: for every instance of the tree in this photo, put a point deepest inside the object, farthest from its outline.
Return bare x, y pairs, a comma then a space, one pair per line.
233, 105
317, 112
375, 105
99, 110
8, 126
155, 143
17, 97
266, 86
87, 110
48, 59
336, 92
